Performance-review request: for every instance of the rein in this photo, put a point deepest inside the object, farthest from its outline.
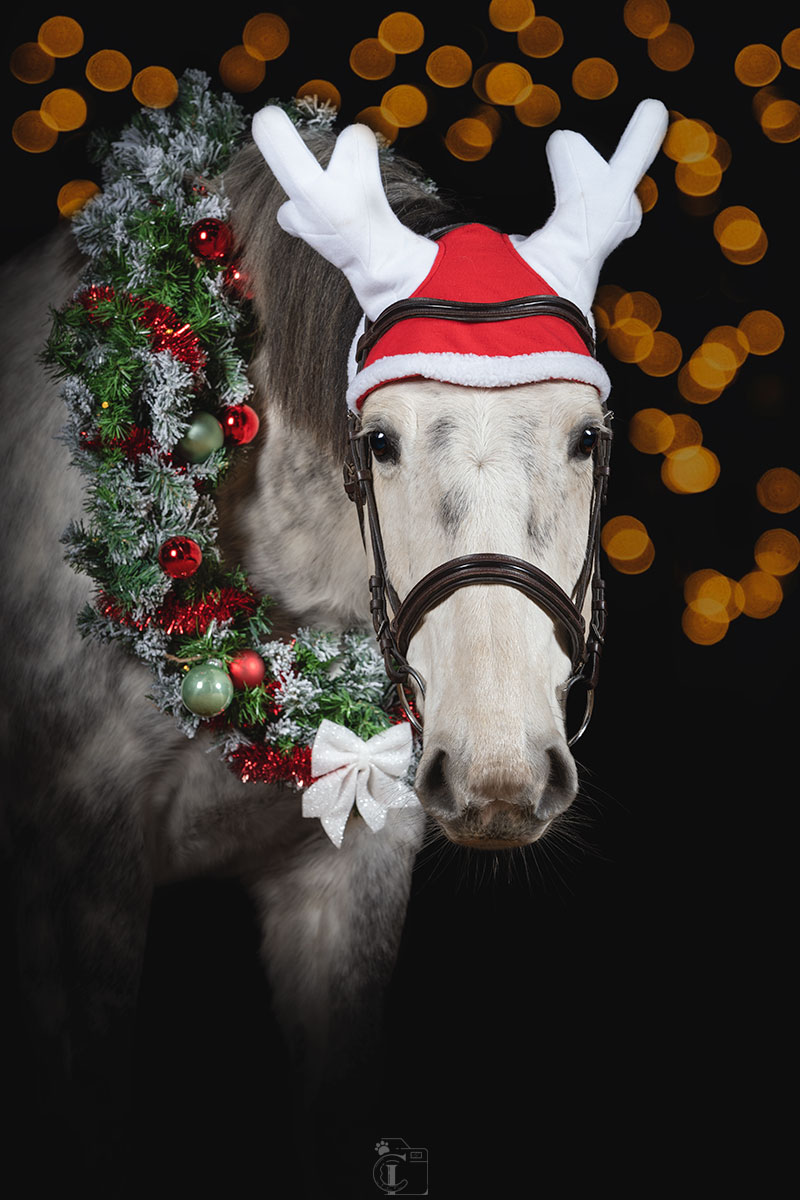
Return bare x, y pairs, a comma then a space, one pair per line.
394, 634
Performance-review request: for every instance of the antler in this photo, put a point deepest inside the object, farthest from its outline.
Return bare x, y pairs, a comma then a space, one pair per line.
342, 212
596, 203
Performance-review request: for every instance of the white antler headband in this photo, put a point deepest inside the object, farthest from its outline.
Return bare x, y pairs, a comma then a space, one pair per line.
344, 214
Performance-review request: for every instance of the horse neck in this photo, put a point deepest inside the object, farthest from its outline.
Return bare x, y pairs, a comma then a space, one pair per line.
288, 521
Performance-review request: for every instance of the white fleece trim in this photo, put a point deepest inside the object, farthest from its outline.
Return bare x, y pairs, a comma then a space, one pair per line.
481, 370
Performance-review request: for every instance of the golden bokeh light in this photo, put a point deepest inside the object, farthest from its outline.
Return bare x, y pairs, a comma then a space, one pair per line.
540, 108
630, 340
405, 105
449, 66
374, 118
734, 343
778, 490
64, 109
701, 178
594, 78
790, 49
322, 91
641, 305
490, 117
155, 87
713, 366
753, 254
109, 71
695, 392
239, 71
61, 37
401, 32
507, 83
763, 594
30, 63
646, 18
686, 432
780, 120
737, 228
30, 132
705, 621
627, 544
690, 470
651, 431
605, 301
469, 139
511, 15
664, 356
757, 65
688, 141
777, 552
671, 50
762, 330
708, 584
647, 193
73, 195
266, 36
371, 59
541, 39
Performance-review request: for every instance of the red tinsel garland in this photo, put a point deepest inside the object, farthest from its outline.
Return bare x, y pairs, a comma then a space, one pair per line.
180, 617
165, 329
265, 764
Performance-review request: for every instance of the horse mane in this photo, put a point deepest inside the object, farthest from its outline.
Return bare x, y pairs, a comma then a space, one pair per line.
306, 312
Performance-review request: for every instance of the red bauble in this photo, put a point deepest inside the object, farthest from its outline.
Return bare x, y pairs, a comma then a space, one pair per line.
179, 557
247, 669
211, 239
239, 423
237, 281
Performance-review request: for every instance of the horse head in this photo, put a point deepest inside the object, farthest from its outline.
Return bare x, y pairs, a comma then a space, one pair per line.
479, 446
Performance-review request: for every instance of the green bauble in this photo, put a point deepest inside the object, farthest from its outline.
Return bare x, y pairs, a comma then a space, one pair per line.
207, 690
203, 437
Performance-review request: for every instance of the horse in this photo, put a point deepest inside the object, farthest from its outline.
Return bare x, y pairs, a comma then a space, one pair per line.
108, 801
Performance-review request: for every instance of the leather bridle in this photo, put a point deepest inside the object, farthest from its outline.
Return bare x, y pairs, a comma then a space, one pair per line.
394, 634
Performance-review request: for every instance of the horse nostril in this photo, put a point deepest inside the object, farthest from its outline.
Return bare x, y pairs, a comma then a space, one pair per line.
433, 785
561, 786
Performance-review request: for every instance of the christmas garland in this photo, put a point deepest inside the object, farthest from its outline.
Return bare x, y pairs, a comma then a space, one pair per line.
152, 356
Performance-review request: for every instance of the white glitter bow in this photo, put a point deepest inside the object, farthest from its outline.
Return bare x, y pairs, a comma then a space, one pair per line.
349, 770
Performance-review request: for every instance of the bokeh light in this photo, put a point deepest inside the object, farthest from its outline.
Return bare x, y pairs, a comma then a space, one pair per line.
469, 139
109, 71
405, 105
777, 552
790, 49
401, 32
155, 87
539, 108
685, 432
671, 50
30, 132
778, 490
708, 584
647, 192
239, 71
73, 195
646, 18
30, 63
763, 331
594, 78
542, 38
511, 15
664, 356
705, 621
266, 36
507, 83
371, 59
61, 37
627, 544
690, 470
449, 66
763, 594
651, 431
64, 109
375, 119
322, 91
757, 65
780, 120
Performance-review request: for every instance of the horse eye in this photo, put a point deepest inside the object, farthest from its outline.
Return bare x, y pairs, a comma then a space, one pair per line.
380, 445
587, 441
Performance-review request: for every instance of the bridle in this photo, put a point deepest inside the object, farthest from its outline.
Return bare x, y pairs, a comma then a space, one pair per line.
394, 634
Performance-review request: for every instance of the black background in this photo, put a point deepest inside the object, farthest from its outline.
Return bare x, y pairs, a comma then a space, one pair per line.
614, 1013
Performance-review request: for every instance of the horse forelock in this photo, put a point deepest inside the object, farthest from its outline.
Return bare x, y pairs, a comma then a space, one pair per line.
306, 311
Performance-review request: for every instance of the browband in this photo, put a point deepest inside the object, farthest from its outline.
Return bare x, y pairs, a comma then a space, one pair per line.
472, 312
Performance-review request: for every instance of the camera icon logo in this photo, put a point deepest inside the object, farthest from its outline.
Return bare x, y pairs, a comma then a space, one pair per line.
401, 1170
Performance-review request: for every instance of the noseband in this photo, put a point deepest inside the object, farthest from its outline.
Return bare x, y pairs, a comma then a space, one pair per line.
394, 635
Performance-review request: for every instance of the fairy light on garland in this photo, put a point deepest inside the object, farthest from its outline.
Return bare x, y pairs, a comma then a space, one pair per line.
150, 354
